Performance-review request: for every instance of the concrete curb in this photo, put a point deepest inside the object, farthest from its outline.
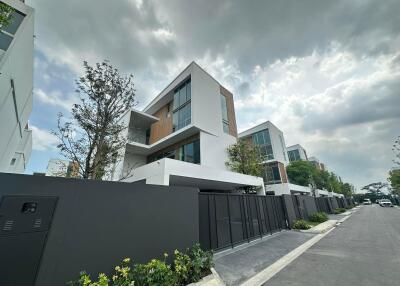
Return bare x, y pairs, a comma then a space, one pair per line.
281, 263
211, 280
322, 227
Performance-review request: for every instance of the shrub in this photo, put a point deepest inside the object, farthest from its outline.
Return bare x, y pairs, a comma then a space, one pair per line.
121, 277
156, 272
202, 262
339, 210
318, 217
301, 224
188, 267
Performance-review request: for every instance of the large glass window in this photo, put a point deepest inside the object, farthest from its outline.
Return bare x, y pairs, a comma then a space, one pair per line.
283, 147
263, 141
294, 155
189, 152
224, 109
271, 174
181, 106
7, 32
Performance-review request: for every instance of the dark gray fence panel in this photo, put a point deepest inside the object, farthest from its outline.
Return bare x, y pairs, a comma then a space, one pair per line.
230, 219
97, 224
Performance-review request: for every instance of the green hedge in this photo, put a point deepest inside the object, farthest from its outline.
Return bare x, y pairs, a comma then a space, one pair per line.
301, 224
318, 217
187, 267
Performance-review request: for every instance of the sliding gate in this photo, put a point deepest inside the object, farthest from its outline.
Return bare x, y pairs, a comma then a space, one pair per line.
226, 220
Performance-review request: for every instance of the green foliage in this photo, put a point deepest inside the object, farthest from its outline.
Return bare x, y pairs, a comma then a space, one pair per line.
188, 267
93, 139
5, 15
304, 173
339, 210
394, 179
244, 158
201, 262
121, 277
300, 172
318, 217
154, 273
301, 224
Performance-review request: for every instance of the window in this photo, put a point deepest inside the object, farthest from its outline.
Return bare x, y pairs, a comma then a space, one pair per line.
7, 33
224, 109
263, 141
283, 147
189, 152
182, 106
294, 155
271, 174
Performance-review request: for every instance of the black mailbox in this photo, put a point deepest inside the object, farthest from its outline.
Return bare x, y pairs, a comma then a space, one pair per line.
24, 224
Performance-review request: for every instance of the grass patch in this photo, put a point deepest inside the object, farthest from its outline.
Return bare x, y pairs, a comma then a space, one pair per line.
304, 224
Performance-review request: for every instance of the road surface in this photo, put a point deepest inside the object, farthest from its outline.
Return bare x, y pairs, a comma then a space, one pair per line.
363, 250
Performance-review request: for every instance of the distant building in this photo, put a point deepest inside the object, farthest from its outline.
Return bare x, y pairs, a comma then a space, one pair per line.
296, 153
62, 168
317, 163
272, 148
16, 84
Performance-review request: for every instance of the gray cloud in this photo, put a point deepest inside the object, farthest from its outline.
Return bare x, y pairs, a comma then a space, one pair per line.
247, 46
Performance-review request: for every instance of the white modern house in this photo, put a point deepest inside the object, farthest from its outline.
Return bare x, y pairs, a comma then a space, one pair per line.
271, 143
296, 152
181, 137
16, 82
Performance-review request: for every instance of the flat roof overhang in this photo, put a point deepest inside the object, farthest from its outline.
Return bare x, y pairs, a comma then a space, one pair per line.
143, 149
204, 184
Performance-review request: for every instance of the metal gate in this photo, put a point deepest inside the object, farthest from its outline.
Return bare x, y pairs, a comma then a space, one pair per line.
226, 220
24, 224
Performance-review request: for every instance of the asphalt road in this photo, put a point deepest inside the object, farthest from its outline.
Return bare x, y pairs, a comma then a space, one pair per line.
363, 250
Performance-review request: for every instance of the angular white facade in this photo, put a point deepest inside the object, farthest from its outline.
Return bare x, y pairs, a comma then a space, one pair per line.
181, 137
296, 152
16, 83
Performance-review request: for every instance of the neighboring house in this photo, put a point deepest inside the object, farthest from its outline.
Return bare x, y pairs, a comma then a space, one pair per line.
62, 168
272, 148
317, 163
296, 153
181, 137
16, 82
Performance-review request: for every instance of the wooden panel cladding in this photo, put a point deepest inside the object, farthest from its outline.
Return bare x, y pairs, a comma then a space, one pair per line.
163, 127
173, 147
231, 110
282, 171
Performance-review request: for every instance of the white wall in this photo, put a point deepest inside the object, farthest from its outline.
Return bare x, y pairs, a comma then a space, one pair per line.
278, 147
213, 149
17, 64
206, 102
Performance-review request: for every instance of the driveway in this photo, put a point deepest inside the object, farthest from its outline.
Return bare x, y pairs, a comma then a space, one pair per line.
237, 265
363, 250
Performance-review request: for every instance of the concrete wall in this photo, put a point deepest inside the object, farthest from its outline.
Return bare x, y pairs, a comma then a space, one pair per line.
17, 64
97, 224
213, 149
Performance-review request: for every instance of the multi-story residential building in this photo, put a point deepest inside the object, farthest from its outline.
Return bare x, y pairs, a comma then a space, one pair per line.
181, 137
317, 163
62, 168
296, 153
272, 148
16, 82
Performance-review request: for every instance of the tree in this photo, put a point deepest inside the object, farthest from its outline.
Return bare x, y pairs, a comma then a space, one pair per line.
93, 139
5, 15
301, 172
244, 158
396, 150
394, 179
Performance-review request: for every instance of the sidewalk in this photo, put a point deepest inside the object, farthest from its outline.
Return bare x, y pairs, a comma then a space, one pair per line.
237, 265
250, 262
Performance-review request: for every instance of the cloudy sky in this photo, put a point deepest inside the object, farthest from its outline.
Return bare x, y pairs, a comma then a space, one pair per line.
327, 73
